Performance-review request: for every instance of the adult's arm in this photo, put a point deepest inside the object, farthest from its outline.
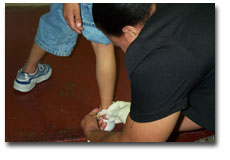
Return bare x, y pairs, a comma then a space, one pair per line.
156, 131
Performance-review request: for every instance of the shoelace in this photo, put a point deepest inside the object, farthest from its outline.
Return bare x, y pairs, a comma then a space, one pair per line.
41, 67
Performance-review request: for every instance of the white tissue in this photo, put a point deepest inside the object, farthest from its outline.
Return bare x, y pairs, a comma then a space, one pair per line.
110, 125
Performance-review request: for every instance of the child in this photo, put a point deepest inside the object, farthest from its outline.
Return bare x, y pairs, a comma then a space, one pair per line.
56, 37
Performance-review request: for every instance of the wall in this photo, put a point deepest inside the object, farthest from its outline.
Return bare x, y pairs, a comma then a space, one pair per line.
26, 4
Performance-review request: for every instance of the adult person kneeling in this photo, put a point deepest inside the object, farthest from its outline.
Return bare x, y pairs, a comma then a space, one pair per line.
170, 59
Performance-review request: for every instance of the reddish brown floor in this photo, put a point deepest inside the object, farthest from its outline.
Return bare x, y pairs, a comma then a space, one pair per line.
52, 111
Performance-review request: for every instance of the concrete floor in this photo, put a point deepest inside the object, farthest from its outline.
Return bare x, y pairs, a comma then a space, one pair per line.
52, 111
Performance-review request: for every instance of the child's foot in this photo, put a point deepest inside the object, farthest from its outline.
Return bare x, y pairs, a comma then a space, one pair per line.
25, 82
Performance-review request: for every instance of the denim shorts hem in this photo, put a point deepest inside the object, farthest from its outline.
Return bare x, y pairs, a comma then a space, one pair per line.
51, 50
88, 24
105, 43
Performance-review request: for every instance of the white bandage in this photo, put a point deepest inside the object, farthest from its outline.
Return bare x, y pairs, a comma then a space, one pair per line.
117, 112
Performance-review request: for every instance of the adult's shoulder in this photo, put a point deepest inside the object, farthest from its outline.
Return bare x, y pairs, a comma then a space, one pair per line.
169, 58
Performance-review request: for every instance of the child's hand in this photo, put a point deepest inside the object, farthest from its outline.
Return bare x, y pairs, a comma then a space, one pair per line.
72, 15
117, 112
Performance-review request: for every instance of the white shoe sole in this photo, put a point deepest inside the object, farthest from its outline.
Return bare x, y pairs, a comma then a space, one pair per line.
29, 87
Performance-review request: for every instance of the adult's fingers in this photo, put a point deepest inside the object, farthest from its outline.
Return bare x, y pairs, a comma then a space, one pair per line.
103, 125
94, 111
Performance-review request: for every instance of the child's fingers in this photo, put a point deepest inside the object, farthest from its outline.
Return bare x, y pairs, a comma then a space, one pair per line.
78, 21
72, 25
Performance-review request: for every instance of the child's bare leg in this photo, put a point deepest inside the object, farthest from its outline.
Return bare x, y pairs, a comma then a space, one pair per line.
105, 72
25, 81
36, 54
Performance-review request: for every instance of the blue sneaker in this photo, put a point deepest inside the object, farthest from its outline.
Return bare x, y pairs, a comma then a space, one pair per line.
25, 82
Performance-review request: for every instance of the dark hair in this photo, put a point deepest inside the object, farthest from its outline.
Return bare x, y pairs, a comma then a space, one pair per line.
112, 17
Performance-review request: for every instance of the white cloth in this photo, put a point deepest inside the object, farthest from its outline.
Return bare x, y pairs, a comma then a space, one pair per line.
117, 112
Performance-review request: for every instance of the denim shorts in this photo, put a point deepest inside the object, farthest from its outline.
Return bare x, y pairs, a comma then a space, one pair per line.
55, 36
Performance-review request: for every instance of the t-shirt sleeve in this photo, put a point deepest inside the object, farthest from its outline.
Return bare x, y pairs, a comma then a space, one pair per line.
161, 83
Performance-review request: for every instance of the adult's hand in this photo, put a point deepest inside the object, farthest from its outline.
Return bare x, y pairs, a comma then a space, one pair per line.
72, 15
89, 122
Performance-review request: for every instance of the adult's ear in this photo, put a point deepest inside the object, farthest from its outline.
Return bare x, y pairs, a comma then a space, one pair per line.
130, 32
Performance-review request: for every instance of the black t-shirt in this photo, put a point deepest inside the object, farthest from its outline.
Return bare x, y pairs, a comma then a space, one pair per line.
173, 60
